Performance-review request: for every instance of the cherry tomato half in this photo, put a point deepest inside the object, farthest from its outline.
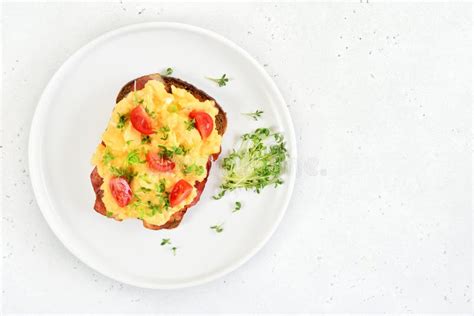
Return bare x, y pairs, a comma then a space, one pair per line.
203, 122
141, 121
120, 191
159, 163
181, 190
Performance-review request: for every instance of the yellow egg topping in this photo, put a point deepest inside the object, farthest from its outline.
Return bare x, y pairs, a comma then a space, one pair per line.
174, 137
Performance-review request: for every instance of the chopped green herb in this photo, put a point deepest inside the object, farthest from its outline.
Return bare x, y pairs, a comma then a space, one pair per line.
162, 186
146, 139
188, 169
133, 158
149, 112
255, 115
129, 141
109, 214
127, 173
167, 72
173, 250
165, 131
190, 124
258, 162
155, 208
123, 118
108, 157
219, 195
166, 152
222, 81
138, 203
165, 241
162, 195
217, 228
198, 170
165, 200
180, 150
151, 207
237, 206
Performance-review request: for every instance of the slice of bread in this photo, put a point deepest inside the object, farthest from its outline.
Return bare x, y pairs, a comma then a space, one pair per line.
220, 124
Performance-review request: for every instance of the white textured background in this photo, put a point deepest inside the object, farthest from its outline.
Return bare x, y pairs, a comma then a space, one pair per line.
381, 219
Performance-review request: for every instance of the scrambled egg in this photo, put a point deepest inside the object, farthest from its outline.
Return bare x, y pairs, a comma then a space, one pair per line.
125, 149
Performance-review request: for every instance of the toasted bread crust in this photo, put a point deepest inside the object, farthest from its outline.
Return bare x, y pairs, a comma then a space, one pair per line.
221, 126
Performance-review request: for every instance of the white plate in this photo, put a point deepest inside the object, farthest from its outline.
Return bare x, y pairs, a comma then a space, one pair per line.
71, 116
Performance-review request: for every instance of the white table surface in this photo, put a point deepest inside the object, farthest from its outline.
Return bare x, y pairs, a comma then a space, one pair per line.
380, 95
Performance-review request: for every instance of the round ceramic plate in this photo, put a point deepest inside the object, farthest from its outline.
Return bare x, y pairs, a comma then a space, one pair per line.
72, 114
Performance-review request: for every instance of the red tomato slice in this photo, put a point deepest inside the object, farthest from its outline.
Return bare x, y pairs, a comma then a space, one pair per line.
141, 121
181, 190
159, 163
120, 191
203, 122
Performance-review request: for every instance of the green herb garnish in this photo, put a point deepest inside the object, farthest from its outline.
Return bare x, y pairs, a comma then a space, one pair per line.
123, 118
165, 241
126, 173
169, 153
146, 139
133, 158
167, 72
255, 115
219, 195
237, 206
222, 81
144, 189
162, 194
109, 214
155, 208
108, 157
190, 124
138, 203
165, 200
180, 150
197, 170
217, 228
165, 131
258, 162
165, 152
149, 112
173, 250
161, 186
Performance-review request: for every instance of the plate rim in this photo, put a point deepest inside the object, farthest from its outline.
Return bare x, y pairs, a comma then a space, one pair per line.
36, 172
